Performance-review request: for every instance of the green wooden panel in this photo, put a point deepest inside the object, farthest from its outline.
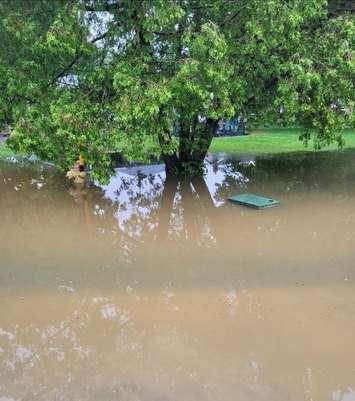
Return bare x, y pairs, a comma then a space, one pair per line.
254, 201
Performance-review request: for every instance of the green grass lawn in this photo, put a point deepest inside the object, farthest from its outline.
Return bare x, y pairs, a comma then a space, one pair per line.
273, 140
270, 140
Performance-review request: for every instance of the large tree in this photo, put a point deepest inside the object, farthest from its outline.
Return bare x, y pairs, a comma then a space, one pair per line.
153, 77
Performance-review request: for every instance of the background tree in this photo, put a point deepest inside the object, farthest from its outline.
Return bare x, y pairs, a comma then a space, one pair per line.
153, 78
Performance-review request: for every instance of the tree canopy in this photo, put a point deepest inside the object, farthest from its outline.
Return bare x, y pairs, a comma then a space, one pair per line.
154, 77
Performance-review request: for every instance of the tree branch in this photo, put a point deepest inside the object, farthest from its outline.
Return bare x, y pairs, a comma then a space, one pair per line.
99, 37
65, 70
234, 16
75, 60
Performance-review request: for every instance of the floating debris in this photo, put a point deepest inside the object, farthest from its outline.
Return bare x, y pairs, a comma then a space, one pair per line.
254, 201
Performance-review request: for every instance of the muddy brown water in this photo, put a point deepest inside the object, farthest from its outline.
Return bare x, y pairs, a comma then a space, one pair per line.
151, 289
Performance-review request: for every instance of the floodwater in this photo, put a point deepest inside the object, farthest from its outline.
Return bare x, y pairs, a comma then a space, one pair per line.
149, 289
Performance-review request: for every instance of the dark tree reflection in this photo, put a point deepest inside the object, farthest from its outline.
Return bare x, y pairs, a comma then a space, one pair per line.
162, 209
185, 211
149, 206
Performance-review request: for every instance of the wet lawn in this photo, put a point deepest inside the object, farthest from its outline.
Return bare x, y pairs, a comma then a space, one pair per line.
271, 140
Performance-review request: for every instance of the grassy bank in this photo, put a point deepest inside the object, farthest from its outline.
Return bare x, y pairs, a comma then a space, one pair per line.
273, 140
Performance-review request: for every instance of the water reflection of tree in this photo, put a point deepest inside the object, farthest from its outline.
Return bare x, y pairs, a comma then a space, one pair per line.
152, 208
140, 208
186, 211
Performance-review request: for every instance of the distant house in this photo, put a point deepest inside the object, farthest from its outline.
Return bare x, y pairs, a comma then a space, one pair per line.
233, 127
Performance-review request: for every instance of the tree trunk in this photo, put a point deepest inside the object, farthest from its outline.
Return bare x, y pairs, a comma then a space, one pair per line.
194, 142
171, 162
204, 141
